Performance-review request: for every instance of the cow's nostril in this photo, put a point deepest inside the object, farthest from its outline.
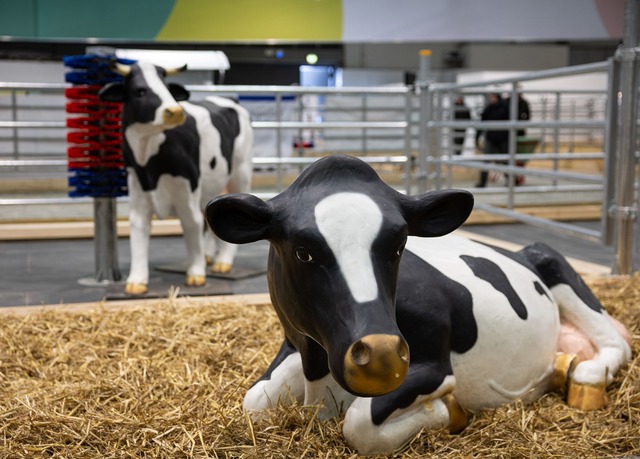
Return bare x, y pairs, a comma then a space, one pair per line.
376, 364
403, 351
360, 353
174, 115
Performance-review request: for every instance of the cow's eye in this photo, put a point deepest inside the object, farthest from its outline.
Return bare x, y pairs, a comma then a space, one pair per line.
140, 92
400, 250
303, 255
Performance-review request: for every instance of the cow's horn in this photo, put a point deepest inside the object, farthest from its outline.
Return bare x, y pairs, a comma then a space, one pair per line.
174, 70
121, 69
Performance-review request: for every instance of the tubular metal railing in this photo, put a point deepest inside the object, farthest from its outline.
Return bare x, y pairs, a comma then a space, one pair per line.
437, 160
396, 120
421, 127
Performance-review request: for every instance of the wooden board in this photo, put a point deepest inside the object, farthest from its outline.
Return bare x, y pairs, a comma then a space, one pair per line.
171, 227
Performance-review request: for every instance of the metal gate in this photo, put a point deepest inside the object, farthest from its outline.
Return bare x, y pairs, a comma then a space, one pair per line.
604, 117
412, 129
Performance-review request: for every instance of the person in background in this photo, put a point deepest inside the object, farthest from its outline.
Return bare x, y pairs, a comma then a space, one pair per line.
495, 141
524, 114
461, 112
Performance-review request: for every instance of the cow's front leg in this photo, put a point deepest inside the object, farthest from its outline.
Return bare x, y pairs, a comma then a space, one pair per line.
223, 260
383, 425
140, 214
219, 254
283, 381
326, 392
209, 246
192, 222
239, 182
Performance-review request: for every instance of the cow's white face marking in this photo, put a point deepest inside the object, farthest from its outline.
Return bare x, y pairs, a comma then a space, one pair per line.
350, 222
157, 86
145, 138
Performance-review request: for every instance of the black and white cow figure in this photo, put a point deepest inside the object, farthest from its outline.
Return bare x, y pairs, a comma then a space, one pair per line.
178, 155
401, 326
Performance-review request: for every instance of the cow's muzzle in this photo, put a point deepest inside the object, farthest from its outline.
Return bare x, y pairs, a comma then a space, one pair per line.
173, 116
376, 364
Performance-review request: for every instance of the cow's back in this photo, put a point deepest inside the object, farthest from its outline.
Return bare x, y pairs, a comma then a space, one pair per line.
225, 142
483, 311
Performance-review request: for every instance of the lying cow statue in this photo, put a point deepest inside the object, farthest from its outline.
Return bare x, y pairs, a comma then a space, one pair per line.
403, 327
178, 156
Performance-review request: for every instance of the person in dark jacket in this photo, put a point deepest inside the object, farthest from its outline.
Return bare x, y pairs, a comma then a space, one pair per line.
495, 141
460, 112
524, 114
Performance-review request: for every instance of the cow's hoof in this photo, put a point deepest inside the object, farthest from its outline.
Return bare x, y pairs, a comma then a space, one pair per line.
208, 260
562, 369
135, 289
587, 397
458, 418
195, 281
222, 268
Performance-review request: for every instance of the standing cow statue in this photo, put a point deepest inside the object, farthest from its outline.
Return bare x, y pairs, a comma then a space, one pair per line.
401, 326
178, 156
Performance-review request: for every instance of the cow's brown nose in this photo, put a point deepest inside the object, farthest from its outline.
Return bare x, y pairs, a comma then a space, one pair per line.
173, 115
376, 364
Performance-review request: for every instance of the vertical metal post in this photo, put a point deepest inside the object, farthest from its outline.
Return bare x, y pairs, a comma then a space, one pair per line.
514, 115
556, 134
424, 71
300, 149
106, 241
626, 208
364, 118
436, 142
591, 115
572, 131
407, 142
424, 158
279, 141
300, 110
14, 118
543, 116
610, 149
452, 138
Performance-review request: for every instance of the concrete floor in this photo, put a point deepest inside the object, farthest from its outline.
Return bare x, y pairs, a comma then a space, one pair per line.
57, 271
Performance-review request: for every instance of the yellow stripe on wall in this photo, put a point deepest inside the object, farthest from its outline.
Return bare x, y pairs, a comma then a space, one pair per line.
231, 20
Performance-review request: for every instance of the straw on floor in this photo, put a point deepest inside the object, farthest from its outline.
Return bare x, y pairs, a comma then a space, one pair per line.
167, 381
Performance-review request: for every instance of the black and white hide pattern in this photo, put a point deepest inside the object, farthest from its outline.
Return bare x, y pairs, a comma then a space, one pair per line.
401, 326
178, 155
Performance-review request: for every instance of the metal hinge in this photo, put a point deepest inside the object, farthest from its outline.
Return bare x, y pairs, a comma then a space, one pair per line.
623, 212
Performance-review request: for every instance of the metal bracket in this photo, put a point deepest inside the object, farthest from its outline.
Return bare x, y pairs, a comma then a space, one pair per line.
623, 213
627, 54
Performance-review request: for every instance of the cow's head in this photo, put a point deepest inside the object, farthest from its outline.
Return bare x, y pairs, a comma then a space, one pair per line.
147, 98
337, 235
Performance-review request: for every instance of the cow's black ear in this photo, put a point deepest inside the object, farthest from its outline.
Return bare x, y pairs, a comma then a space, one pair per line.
178, 92
239, 218
436, 213
112, 92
